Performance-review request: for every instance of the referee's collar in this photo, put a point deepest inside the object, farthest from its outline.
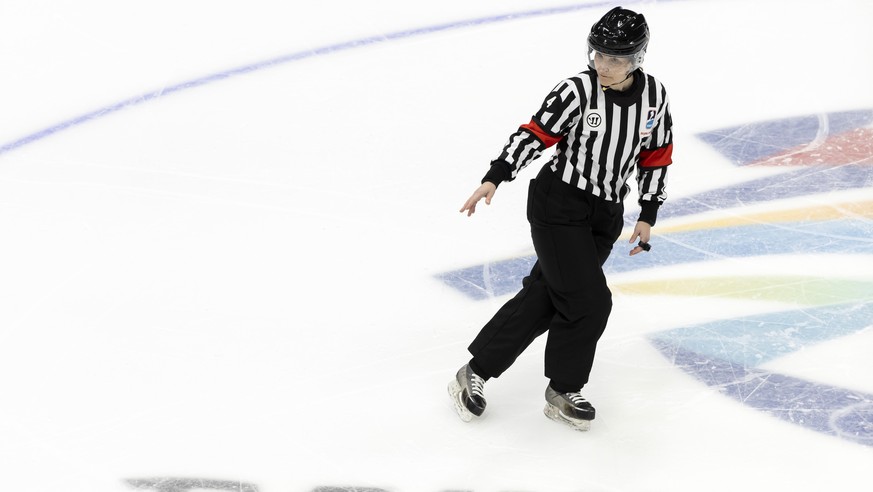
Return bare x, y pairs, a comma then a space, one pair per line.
626, 98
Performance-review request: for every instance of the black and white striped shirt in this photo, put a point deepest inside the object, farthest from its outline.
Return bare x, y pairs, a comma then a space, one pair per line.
602, 137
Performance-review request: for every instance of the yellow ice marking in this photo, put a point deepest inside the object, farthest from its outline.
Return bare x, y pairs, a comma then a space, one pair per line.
805, 214
792, 289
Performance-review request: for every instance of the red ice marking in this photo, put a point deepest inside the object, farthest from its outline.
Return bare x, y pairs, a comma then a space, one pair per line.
852, 147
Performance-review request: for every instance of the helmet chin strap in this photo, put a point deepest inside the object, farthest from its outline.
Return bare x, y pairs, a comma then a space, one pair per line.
605, 87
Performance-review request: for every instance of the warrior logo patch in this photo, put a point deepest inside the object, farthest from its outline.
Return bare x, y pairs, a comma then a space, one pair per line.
593, 120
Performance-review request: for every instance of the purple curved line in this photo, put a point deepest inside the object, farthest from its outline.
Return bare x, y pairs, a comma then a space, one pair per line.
321, 51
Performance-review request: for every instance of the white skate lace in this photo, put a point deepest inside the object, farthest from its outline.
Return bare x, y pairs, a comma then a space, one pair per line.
577, 399
477, 385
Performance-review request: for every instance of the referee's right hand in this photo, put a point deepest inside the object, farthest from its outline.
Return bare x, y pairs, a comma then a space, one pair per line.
485, 190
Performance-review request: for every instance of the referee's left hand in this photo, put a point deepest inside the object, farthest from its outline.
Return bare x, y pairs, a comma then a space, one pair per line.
643, 232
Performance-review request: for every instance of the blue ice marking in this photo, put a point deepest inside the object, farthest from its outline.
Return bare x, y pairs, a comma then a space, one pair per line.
791, 184
754, 142
823, 408
754, 340
848, 236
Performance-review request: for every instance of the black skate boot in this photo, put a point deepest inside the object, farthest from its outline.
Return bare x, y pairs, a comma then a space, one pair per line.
569, 409
466, 391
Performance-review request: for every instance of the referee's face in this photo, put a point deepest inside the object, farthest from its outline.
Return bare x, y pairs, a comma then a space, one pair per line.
611, 69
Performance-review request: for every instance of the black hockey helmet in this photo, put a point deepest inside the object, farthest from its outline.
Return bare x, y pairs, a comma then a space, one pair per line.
621, 32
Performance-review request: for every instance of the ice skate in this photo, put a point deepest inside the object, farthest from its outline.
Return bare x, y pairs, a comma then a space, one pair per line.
467, 395
569, 409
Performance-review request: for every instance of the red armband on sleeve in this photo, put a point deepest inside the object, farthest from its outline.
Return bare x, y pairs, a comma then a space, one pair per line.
541, 134
657, 157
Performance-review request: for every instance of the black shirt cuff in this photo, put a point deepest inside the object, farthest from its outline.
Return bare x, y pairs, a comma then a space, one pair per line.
649, 212
498, 173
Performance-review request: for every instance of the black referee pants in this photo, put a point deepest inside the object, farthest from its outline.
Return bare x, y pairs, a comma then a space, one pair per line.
565, 294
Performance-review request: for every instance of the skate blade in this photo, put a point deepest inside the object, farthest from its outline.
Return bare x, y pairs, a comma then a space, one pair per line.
555, 414
455, 394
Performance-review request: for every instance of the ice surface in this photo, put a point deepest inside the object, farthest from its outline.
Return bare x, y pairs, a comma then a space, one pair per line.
232, 258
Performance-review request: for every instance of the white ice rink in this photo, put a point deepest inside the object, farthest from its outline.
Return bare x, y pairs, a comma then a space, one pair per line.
231, 256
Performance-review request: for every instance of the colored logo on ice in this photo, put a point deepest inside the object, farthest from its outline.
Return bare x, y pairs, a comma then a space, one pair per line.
812, 155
